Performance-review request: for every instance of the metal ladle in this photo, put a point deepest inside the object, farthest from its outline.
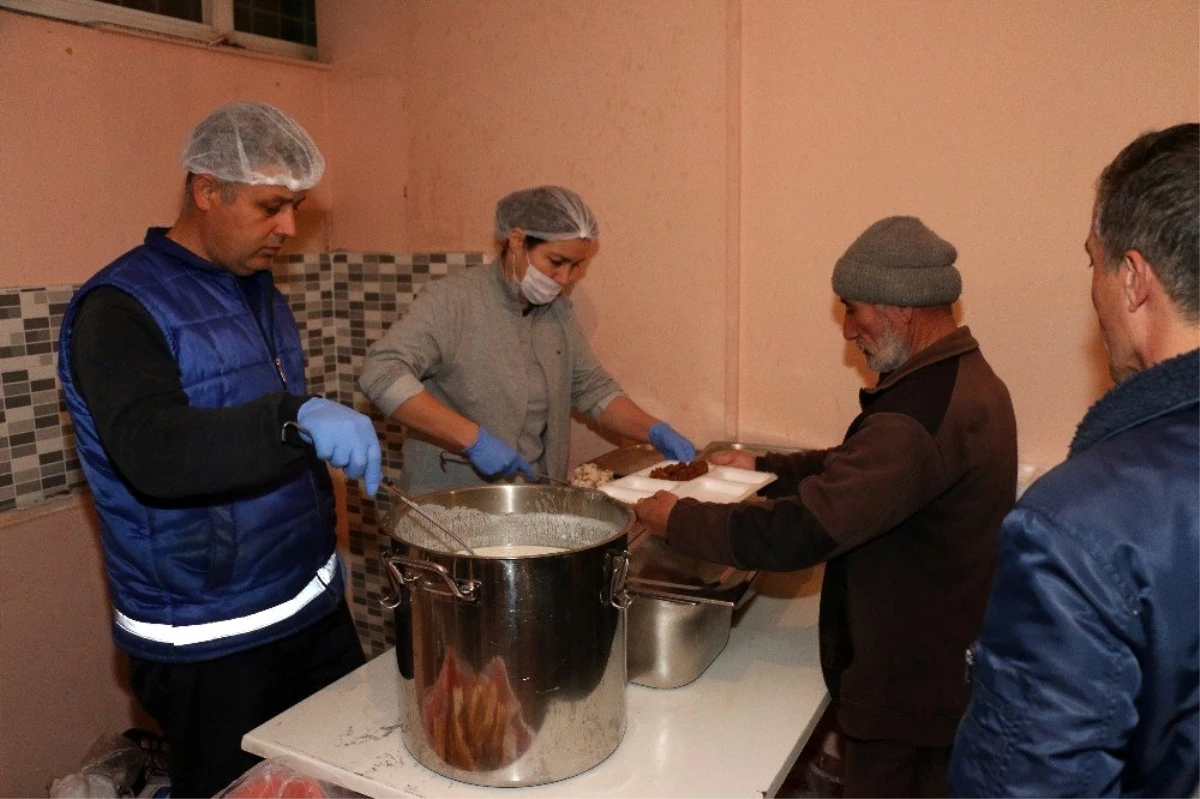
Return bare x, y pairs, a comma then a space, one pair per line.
400, 495
306, 436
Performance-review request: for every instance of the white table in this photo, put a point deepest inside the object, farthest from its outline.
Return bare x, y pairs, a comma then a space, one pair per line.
736, 731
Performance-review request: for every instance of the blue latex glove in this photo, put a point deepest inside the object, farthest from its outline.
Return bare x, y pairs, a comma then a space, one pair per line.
492, 456
344, 438
672, 445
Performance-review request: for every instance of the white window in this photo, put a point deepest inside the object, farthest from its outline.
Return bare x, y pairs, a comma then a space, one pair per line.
281, 27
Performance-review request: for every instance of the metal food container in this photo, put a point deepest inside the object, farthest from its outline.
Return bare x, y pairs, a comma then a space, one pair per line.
682, 610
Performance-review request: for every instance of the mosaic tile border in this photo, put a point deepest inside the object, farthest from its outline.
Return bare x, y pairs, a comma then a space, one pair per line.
37, 444
370, 293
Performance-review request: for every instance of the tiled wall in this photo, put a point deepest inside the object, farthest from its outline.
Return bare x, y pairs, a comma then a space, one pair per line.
342, 302
369, 292
37, 447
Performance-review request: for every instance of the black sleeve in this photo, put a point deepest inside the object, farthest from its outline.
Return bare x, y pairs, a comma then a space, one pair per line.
791, 468
777, 536
164, 447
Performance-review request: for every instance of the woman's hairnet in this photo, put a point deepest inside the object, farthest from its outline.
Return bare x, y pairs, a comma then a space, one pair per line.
253, 143
550, 213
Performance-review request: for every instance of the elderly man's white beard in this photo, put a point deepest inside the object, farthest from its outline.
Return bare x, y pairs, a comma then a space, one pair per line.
891, 351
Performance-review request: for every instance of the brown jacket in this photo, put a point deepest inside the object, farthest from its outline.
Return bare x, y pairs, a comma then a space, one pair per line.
906, 513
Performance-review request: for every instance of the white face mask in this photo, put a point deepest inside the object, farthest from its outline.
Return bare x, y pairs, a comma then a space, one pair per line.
537, 288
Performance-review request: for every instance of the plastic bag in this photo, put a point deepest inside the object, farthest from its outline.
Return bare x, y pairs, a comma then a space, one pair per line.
271, 778
108, 770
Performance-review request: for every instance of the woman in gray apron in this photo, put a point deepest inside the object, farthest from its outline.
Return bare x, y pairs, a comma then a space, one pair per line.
487, 365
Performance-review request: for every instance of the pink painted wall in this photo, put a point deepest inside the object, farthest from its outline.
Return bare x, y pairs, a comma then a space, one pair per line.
990, 121
730, 175
62, 682
625, 102
369, 125
91, 123
732, 149
709, 298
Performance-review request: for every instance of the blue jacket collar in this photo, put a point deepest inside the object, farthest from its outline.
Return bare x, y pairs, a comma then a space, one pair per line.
156, 239
1164, 387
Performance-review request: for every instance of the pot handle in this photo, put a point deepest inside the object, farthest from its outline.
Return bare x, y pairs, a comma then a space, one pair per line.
463, 590
401, 606
618, 568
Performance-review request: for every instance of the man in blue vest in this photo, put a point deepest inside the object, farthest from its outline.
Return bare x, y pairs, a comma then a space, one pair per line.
184, 377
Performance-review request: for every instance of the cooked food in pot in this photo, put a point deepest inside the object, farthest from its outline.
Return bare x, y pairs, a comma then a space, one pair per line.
680, 471
589, 475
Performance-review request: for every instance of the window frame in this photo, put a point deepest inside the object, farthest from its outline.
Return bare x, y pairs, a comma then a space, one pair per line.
216, 30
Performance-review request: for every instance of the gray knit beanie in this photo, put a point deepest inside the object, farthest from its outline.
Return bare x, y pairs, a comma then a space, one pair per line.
898, 261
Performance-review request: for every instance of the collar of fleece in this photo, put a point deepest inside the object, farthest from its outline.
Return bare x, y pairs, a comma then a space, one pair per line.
1153, 392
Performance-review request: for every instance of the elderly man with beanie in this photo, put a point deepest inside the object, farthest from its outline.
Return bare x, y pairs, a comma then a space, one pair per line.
207, 458
904, 513
486, 366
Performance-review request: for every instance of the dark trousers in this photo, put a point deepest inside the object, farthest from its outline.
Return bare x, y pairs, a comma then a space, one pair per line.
890, 768
205, 708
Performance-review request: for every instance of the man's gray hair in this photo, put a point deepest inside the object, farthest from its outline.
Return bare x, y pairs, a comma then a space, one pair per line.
1147, 200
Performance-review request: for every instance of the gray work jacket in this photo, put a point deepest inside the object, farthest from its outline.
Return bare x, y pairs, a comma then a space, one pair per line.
465, 340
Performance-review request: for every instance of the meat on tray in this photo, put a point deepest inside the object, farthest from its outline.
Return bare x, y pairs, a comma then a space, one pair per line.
680, 471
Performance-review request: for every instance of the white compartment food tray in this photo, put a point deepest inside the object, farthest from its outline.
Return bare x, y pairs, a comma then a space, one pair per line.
720, 484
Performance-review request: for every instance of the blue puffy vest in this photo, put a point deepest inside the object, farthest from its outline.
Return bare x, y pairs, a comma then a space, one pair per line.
200, 578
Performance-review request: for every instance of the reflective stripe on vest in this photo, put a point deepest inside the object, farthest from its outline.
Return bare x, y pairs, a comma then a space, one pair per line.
211, 631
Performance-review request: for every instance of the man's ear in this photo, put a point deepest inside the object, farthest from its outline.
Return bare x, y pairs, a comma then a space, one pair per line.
1137, 279
205, 191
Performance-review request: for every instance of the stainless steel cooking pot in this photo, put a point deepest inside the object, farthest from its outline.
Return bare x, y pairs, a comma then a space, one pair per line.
512, 668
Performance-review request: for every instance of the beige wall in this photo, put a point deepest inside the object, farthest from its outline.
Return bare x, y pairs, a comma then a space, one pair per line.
503, 94
730, 175
91, 124
369, 126
732, 149
62, 682
988, 120
709, 299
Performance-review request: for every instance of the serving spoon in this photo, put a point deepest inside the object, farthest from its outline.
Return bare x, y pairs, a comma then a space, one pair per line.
392, 491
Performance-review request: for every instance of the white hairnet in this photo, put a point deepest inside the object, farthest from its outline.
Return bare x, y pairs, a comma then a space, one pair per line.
551, 213
253, 143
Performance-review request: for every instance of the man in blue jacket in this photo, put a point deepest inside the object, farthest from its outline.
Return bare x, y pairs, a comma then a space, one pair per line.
184, 377
1086, 674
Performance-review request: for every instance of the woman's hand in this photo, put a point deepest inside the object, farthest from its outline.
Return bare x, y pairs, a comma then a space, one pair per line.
654, 511
737, 458
491, 456
671, 444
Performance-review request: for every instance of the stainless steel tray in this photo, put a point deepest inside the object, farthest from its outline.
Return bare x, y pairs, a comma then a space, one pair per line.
682, 609
681, 614
624, 461
673, 641
657, 570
